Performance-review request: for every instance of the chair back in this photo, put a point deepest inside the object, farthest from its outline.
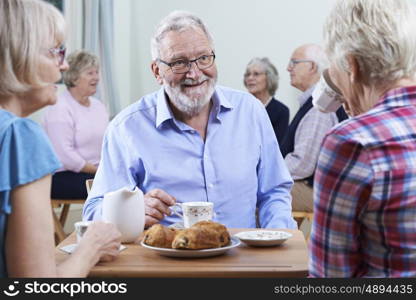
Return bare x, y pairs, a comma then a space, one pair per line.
88, 184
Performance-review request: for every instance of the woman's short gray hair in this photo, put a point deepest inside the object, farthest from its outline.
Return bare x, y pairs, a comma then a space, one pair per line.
379, 34
272, 75
26, 28
79, 61
176, 21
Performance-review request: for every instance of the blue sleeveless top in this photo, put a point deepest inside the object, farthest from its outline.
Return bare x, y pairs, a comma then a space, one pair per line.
26, 155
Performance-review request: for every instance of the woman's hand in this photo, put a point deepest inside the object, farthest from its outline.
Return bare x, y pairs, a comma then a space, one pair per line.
104, 239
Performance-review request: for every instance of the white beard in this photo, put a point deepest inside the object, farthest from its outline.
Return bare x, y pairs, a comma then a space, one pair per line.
191, 105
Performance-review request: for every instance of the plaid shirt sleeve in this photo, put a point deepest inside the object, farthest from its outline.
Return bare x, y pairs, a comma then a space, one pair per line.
342, 183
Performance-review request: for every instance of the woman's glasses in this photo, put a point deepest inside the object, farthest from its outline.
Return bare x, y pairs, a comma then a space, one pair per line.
59, 52
254, 74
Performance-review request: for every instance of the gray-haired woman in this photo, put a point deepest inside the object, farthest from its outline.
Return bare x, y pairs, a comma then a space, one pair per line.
262, 80
365, 183
76, 125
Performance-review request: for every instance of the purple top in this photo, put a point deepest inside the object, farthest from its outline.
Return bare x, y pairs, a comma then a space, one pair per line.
76, 131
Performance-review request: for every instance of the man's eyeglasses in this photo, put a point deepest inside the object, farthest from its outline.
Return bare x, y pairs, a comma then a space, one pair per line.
183, 65
254, 74
294, 62
59, 52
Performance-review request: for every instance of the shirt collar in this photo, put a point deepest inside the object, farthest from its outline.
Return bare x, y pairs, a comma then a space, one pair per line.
401, 96
164, 113
268, 101
306, 95
220, 103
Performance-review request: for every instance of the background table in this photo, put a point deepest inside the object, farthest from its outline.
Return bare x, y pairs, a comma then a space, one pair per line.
287, 260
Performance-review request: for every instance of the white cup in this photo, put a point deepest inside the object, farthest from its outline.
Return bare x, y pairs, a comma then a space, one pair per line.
80, 228
326, 96
193, 212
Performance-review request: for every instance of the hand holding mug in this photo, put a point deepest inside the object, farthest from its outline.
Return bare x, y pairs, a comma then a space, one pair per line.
326, 96
157, 203
104, 238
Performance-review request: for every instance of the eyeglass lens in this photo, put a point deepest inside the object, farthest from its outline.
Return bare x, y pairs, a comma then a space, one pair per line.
59, 52
183, 66
254, 74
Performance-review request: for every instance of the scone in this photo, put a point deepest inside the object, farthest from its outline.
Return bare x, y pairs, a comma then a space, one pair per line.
159, 236
221, 231
202, 235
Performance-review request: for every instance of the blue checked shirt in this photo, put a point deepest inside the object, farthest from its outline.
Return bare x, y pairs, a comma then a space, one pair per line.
239, 166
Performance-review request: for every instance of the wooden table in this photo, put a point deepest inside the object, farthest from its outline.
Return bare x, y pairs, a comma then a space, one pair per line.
287, 260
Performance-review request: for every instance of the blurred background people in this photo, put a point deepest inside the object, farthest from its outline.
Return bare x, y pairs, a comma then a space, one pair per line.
302, 142
365, 183
76, 125
262, 80
31, 59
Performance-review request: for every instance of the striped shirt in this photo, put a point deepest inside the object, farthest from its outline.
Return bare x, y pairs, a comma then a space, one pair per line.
365, 193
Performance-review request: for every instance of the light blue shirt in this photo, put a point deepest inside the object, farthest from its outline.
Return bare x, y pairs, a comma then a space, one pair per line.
238, 167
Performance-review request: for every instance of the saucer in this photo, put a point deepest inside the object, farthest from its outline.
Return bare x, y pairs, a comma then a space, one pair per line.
263, 238
71, 248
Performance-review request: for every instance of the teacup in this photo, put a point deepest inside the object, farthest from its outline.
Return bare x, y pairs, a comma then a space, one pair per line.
326, 96
80, 228
193, 212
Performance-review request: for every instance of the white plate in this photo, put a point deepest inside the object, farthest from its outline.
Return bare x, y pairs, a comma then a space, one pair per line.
193, 253
263, 237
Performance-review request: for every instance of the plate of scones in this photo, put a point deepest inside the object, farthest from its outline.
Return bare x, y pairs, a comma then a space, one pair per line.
203, 239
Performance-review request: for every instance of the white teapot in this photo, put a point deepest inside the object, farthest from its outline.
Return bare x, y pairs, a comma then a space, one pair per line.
125, 209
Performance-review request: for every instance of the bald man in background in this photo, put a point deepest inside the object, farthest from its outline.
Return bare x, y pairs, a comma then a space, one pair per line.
302, 141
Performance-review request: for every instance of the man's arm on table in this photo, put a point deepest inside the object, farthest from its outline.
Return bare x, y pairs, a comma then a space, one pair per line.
274, 181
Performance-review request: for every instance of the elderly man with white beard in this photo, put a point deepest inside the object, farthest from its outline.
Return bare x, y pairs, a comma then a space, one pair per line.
194, 140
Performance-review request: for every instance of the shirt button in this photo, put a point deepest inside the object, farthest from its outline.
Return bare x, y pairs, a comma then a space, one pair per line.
210, 185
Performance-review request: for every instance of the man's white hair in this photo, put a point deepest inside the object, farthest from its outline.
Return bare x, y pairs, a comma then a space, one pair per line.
379, 34
176, 21
317, 54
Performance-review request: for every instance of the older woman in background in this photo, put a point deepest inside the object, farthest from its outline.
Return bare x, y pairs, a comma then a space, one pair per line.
365, 183
76, 126
262, 80
31, 59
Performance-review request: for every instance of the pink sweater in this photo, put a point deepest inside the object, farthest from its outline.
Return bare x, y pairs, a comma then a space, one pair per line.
76, 131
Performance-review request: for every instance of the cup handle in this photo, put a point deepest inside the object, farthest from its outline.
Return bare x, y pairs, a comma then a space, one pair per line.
174, 210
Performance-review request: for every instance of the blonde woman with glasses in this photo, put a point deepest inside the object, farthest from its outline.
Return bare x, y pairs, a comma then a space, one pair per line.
31, 61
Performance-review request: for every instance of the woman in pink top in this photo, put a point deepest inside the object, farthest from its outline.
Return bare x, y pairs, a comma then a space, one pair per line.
76, 126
